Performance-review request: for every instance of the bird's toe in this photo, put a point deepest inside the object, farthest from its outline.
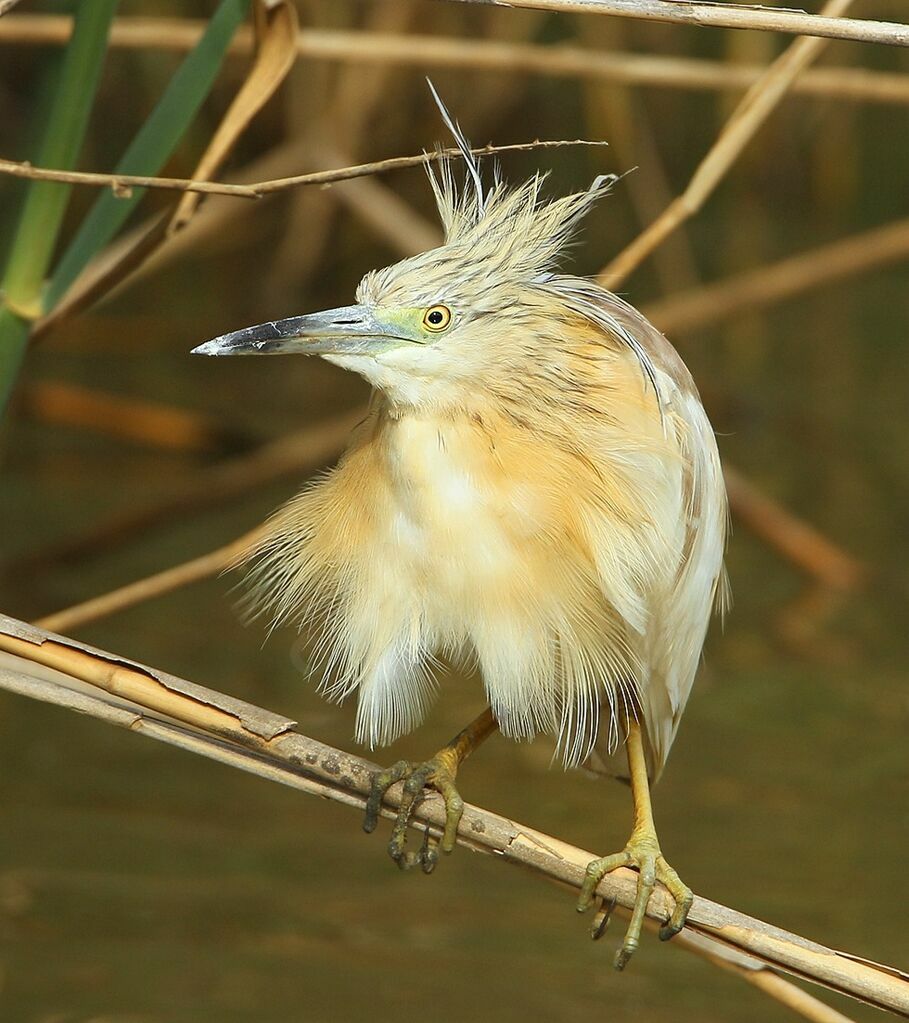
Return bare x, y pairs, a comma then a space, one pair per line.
435, 774
652, 868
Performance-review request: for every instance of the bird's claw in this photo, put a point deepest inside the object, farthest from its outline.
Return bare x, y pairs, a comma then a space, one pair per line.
641, 853
438, 773
601, 918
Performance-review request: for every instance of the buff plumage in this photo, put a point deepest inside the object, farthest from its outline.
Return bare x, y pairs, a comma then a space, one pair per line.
539, 491
535, 489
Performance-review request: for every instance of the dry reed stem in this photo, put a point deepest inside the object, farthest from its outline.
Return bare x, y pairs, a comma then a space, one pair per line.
620, 115
724, 15
749, 969
748, 117
766, 285
275, 27
345, 112
427, 51
257, 740
794, 539
122, 183
136, 420
783, 991
152, 586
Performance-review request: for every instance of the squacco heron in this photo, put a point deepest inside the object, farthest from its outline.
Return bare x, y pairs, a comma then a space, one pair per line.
536, 488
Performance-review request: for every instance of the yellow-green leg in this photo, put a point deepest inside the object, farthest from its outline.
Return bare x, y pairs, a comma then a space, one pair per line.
641, 852
438, 773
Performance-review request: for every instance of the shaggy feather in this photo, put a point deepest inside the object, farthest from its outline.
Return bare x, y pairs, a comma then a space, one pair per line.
538, 490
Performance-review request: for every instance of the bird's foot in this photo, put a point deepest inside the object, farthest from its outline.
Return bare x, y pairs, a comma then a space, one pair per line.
439, 773
643, 854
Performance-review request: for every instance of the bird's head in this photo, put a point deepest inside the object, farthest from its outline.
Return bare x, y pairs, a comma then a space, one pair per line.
434, 327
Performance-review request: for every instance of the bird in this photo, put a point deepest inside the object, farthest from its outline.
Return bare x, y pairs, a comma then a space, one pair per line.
536, 489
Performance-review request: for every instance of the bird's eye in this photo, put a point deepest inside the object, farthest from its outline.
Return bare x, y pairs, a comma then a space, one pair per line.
437, 317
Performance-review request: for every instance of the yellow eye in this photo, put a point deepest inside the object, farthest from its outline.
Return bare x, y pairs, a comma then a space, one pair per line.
437, 317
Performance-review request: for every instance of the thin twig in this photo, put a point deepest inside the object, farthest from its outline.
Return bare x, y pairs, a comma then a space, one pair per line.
152, 586
724, 15
212, 724
428, 51
122, 183
749, 115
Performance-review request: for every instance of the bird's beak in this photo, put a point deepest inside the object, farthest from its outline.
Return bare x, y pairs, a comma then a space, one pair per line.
353, 329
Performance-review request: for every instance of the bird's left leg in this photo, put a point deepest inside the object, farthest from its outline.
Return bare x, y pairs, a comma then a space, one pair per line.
438, 773
642, 852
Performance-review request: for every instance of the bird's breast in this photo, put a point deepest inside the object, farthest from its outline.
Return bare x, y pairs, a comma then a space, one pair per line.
457, 518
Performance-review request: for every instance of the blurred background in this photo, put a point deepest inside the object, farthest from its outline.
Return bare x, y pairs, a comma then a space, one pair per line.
140, 884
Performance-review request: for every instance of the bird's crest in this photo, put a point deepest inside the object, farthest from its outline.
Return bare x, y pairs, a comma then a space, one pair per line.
521, 233
513, 236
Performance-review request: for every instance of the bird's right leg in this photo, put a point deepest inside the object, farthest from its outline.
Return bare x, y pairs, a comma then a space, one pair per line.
643, 853
438, 773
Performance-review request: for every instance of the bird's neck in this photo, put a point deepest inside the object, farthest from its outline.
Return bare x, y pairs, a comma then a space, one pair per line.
404, 389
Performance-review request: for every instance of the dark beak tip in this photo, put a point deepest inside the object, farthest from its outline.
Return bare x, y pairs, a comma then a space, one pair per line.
208, 348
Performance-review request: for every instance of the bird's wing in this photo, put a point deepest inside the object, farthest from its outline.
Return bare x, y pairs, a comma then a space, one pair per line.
680, 610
